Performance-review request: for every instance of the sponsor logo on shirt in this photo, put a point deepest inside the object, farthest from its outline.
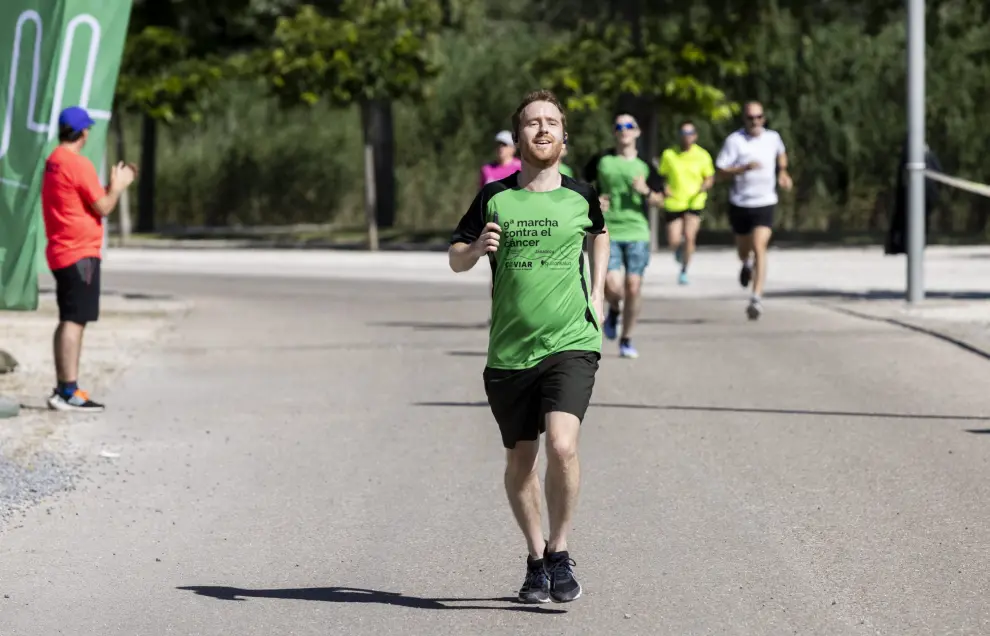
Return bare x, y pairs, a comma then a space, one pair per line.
518, 263
557, 263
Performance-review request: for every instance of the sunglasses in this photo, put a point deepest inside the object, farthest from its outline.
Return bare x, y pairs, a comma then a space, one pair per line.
625, 126
754, 117
688, 133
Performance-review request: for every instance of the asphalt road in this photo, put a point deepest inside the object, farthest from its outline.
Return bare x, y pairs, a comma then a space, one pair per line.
315, 457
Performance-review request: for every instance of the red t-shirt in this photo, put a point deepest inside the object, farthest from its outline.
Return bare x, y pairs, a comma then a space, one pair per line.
69, 189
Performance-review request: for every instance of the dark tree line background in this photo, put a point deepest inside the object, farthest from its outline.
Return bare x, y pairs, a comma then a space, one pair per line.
258, 112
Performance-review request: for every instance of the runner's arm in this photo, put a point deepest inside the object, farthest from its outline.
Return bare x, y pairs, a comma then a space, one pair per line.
657, 185
599, 244
472, 238
783, 176
708, 174
782, 158
726, 162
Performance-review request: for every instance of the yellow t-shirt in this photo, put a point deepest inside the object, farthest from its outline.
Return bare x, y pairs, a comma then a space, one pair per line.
685, 171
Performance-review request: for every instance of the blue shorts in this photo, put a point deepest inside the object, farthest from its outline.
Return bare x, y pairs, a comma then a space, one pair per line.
634, 256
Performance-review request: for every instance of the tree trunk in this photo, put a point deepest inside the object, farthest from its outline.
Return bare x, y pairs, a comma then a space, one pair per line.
369, 196
124, 215
376, 118
146, 186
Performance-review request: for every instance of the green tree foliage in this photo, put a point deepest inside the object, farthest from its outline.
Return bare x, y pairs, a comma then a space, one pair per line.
664, 62
160, 78
370, 50
831, 75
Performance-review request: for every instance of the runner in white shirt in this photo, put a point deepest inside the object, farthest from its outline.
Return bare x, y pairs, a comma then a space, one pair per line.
755, 159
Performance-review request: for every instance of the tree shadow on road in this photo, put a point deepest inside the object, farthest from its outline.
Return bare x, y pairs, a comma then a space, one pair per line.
359, 595
432, 326
877, 294
734, 409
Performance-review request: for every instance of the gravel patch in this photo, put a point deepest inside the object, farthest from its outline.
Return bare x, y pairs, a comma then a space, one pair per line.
22, 486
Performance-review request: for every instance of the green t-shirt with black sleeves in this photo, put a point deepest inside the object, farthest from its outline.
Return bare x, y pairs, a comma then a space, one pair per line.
541, 301
628, 211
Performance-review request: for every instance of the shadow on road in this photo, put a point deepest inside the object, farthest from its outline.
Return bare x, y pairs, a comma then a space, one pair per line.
731, 409
877, 294
358, 595
431, 326
672, 321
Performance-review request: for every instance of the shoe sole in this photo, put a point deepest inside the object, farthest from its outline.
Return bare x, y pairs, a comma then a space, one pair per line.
533, 601
745, 276
571, 600
753, 313
66, 408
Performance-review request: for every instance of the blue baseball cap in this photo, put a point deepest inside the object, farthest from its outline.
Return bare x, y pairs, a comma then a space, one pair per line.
75, 118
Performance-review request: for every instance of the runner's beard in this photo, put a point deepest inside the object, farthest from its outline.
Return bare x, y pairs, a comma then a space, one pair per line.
542, 156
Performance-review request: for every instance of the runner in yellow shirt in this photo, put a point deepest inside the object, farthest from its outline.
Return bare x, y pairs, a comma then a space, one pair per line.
689, 173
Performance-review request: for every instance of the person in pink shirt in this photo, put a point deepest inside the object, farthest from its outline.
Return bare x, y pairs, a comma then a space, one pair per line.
506, 162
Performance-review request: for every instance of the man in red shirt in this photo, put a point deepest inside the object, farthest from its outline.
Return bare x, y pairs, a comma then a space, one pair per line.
74, 205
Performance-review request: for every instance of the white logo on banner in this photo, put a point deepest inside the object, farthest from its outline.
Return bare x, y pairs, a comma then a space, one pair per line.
51, 127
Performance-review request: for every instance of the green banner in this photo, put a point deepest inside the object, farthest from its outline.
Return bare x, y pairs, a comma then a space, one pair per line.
53, 54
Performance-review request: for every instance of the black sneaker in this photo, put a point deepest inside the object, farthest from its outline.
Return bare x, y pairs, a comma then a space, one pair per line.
536, 587
745, 274
78, 401
564, 588
611, 323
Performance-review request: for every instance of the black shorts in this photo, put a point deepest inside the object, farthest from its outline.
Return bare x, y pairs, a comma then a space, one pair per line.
673, 216
521, 399
743, 220
77, 290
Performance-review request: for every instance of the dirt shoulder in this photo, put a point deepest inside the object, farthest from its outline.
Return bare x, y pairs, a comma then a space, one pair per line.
36, 456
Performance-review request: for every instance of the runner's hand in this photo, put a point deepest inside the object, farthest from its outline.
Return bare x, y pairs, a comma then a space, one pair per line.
488, 242
753, 165
603, 202
784, 181
598, 302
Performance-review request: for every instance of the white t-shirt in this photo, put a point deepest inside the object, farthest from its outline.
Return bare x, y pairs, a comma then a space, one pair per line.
753, 188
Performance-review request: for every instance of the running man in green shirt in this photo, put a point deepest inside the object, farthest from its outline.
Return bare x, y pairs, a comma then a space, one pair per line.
690, 173
544, 342
628, 185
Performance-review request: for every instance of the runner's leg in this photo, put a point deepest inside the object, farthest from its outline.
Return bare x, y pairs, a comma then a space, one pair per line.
566, 390
761, 239
522, 486
675, 234
637, 262
692, 223
633, 291
563, 475
613, 288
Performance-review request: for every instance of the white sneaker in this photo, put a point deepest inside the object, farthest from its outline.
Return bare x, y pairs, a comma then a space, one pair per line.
755, 309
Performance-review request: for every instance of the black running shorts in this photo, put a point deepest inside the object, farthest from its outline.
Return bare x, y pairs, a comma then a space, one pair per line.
521, 399
77, 291
743, 220
674, 216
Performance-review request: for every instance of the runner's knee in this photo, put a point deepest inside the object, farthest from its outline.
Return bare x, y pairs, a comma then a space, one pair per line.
522, 460
633, 285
